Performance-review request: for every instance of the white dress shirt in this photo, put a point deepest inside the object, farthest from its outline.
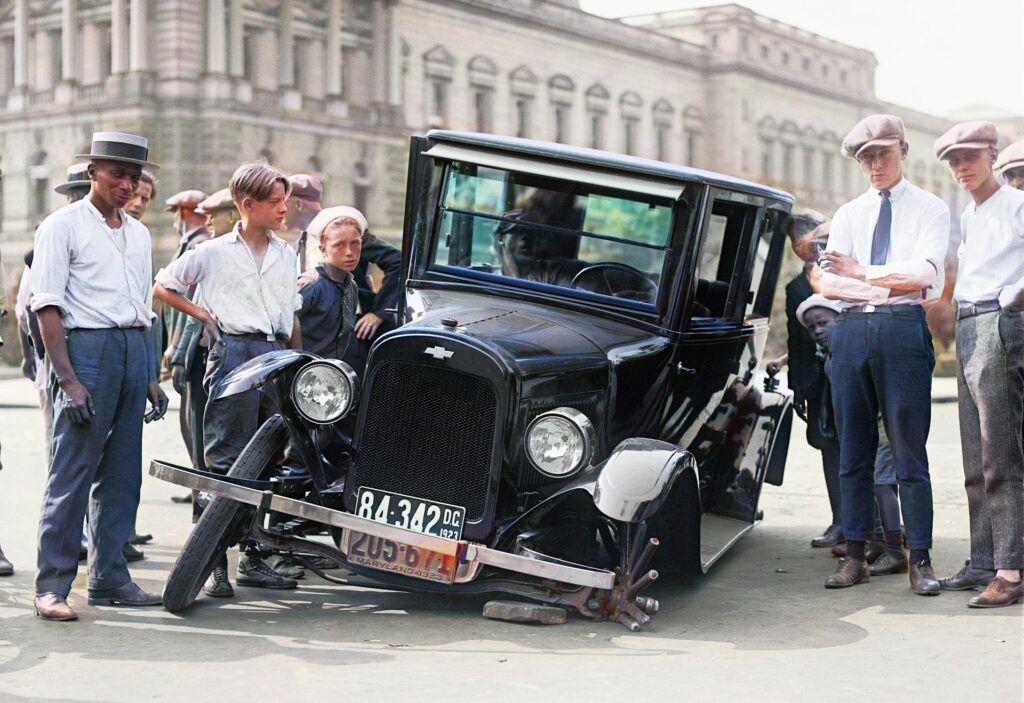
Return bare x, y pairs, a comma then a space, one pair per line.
97, 276
992, 251
245, 298
919, 239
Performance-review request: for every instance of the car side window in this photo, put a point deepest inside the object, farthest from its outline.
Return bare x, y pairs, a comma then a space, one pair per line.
718, 273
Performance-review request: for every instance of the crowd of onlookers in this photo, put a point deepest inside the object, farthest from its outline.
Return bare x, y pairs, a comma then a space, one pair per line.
262, 266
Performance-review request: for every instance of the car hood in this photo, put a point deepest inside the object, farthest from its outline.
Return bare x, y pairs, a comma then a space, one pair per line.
534, 338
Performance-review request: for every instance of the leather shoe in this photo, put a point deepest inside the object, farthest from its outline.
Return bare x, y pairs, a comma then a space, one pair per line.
6, 567
889, 563
285, 567
922, 579
136, 538
998, 593
873, 550
128, 594
253, 571
967, 579
832, 535
50, 606
182, 499
850, 573
132, 553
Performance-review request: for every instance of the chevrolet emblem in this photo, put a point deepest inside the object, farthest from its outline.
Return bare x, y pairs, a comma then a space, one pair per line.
439, 352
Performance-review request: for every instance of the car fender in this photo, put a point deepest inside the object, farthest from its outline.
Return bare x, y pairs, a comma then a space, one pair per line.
633, 483
255, 372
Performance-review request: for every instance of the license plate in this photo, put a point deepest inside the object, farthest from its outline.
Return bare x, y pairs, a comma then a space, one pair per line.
402, 559
416, 514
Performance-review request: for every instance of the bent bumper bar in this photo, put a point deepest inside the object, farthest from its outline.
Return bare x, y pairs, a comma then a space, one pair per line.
464, 551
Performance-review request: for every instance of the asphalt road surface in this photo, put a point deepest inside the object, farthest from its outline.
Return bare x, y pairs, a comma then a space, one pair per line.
759, 627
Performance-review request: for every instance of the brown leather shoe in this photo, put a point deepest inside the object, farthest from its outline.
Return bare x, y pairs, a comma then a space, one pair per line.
998, 593
922, 579
889, 563
850, 573
50, 606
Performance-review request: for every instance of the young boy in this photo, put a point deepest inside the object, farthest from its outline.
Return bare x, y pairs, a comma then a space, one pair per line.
329, 292
248, 308
989, 295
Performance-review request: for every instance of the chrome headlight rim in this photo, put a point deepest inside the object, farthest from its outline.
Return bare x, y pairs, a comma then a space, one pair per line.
581, 423
348, 374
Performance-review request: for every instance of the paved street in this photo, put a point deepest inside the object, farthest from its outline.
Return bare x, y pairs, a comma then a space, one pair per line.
759, 626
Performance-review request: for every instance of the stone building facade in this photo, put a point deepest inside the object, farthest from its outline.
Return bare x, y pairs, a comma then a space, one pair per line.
335, 87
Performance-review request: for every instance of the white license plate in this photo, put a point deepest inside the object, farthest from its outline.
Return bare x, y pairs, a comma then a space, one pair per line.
410, 513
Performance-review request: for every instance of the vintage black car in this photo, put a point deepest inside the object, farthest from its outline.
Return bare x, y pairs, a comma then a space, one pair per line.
577, 380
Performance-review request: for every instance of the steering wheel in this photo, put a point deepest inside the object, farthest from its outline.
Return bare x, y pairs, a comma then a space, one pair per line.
618, 280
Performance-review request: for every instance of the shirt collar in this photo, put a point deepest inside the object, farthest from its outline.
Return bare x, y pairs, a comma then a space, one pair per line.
99, 215
236, 234
894, 193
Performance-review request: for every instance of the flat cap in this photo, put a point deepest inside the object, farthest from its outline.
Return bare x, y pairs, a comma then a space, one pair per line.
874, 130
1011, 157
817, 301
977, 134
221, 200
330, 214
186, 199
306, 187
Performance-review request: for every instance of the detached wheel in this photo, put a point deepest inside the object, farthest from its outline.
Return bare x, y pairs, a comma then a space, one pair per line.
223, 521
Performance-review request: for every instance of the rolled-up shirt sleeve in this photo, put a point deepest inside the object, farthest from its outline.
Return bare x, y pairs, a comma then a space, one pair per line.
929, 256
51, 266
184, 272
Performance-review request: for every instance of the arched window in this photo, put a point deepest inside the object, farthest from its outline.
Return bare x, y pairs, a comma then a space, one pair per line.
630, 105
438, 68
482, 75
597, 97
662, 114
523, 86
562, 91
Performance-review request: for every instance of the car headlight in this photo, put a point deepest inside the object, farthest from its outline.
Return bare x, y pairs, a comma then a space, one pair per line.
560, 442
325, 390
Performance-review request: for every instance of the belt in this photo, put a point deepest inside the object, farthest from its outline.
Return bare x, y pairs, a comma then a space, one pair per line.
256, 336
884, 309
971, 309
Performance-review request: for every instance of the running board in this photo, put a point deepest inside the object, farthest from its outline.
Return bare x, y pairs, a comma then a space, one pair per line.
717, 535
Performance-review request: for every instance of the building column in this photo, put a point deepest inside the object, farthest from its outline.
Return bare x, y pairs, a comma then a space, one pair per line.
69, 41
236, 45
216, 34
118, 37
334, 48
379, 75
21, 44
394, 55
286, 47
139, 46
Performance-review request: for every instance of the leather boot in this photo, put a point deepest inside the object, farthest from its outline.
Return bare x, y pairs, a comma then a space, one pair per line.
850, 573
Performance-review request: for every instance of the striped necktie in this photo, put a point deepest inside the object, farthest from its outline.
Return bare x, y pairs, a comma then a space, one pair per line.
883, 231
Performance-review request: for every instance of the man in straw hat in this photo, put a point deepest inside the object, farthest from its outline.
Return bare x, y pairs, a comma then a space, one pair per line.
93, 266
885, 257
989, 296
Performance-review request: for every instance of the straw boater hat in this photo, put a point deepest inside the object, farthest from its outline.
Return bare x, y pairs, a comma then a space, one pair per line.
119, 146
219, 201
77, 177
187, 199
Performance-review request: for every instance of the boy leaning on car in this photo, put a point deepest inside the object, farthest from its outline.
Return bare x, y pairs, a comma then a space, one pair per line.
249, 307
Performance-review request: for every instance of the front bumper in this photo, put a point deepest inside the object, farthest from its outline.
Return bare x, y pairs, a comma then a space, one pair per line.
470, 555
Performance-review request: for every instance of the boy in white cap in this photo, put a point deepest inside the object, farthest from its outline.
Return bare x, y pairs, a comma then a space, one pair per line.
90, 281
885, 257
989, 296
1010, 165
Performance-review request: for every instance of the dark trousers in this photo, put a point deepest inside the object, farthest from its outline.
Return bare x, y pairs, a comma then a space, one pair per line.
101, 461
829, 448
990, 380
882, 363
229, 423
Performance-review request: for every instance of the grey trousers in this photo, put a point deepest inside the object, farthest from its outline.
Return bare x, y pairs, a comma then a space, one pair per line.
229, 423
95, 467
990, 380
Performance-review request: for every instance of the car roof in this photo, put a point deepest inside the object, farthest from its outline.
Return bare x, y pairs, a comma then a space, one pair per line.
606, 160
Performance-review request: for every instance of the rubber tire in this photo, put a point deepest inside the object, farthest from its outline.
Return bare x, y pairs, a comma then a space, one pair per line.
223, 520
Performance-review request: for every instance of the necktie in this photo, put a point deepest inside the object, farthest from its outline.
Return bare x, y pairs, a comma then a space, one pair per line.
883, 230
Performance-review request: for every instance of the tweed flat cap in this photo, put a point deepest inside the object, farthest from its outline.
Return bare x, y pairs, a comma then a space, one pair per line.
817, 301
874, 130
1011, 157
221, 200
186, 199
977, 134
330, 214
306, 187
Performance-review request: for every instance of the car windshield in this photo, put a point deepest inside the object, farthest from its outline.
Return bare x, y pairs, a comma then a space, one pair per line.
560, 233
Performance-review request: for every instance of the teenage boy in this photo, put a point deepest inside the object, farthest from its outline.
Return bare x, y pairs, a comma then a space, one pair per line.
989, 296
248, 308
90, 279
885, 257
